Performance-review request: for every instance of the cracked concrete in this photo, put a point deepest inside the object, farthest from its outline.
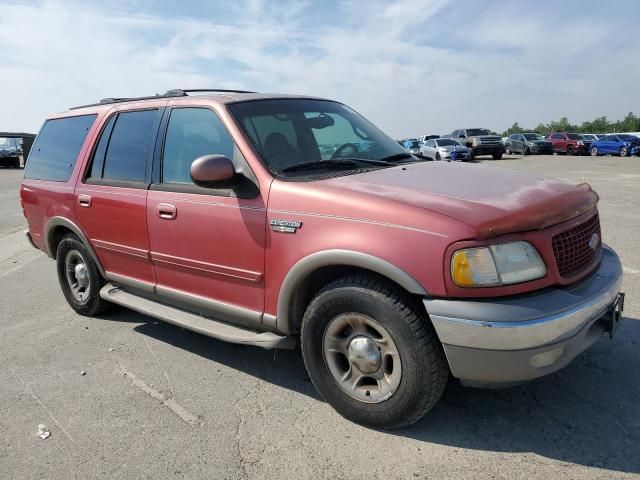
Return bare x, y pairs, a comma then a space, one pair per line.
258, 416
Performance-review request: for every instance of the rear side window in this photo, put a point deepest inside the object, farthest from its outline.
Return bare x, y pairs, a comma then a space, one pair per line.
56, 149
129, 145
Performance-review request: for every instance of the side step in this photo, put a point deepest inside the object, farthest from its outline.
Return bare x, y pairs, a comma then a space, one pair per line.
196, 323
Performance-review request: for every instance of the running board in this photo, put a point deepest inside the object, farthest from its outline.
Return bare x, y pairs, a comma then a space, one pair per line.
190, 321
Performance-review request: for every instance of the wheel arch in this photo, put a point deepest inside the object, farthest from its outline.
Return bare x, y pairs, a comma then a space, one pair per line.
314, 271
57, 228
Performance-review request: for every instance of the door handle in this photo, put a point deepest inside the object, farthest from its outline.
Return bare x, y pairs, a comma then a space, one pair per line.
84, 200
166, 211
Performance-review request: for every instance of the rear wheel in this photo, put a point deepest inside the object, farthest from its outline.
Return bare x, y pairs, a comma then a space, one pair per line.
624, 151
79, 277
372, 353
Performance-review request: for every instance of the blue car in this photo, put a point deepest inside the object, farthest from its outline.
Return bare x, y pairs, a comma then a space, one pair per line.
620, 144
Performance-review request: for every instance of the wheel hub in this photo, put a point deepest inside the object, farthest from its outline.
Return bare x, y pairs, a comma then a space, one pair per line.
364, 354
82, 275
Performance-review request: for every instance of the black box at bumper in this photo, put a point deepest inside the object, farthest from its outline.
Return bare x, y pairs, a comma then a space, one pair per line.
495, 341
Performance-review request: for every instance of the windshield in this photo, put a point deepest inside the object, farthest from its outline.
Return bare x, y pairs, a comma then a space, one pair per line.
474, 132
588, 136
532, 136
289, 132
415, 144
447, 142
574, 136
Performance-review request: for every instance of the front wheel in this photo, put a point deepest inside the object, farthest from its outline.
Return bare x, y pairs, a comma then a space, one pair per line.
497, 156
79, 277
507, 151
438, 157
569, 150
624, 151
372, 353
526, 151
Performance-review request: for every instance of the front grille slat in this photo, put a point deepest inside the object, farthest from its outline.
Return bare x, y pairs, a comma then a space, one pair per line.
571, 248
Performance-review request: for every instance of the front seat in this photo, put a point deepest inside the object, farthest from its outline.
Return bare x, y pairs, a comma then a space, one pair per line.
278, 151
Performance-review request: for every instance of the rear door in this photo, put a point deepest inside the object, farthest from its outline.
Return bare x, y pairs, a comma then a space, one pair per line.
111, 201
207, 244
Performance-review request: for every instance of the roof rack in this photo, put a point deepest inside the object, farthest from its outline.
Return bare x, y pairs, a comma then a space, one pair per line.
176, 92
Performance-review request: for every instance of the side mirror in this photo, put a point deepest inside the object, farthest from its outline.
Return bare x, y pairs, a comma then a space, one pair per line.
211, 171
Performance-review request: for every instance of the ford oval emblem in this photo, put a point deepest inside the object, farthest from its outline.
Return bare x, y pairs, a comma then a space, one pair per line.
594, 240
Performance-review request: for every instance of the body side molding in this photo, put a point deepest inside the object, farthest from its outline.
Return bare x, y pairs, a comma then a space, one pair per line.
328, 258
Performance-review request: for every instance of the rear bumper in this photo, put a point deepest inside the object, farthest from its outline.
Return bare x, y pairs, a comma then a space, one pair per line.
521, 338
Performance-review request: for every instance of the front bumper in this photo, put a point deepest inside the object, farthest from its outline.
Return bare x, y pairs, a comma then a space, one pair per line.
502, 341
487, 149
541, 149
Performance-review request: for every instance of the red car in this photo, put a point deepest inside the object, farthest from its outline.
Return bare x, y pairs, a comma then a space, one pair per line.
271, 219
569, 143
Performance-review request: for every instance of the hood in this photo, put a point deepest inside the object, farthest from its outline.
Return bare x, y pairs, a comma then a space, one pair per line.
492, 200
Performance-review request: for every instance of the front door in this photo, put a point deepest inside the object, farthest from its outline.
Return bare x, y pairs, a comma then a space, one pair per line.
111, 201
207, 244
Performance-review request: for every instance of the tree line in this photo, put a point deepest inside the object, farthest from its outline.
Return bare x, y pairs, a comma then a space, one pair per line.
630, 123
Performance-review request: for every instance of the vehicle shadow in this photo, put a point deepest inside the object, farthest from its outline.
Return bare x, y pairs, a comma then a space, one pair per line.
587, 414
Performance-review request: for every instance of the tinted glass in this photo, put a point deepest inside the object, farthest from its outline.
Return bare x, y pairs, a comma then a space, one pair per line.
627, 137
55, 151
557, 136
574, 136
290, 132
472, 132
447, 141
531, 136
98, 157
191, 133
131, 138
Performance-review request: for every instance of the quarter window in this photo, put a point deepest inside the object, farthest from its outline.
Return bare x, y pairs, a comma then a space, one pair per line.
56, 150
191, 133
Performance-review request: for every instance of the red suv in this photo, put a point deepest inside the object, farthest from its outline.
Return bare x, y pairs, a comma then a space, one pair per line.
271, 219
569, 143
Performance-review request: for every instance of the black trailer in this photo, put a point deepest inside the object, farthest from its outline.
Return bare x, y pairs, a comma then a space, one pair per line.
14, 145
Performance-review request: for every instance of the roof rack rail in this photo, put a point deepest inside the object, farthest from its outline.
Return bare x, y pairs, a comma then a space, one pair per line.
176, 92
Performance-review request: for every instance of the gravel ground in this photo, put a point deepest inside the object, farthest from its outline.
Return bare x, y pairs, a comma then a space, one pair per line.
158, 402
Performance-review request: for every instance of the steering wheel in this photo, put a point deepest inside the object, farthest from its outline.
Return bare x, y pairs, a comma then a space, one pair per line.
339, 150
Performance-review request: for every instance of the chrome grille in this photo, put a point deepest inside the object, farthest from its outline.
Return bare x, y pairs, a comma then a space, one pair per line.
575, 248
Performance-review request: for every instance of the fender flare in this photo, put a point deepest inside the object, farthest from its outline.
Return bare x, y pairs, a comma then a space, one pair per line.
327, 258
64, 222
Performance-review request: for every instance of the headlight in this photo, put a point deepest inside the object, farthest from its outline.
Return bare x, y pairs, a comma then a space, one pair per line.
580, 142
475, 142
496, 265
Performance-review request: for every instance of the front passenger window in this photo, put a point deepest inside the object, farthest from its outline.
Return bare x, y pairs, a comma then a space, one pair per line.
191, 133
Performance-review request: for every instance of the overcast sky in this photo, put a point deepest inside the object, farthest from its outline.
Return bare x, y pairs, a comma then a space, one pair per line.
412, 67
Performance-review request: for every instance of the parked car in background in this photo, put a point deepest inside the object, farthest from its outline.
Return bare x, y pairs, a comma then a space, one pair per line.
445, 149
480, 141
527, 143
10, 151
569, 143
424, 138
412, 145
619, 144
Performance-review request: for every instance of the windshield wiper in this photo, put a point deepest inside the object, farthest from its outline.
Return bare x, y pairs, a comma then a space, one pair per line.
335, 162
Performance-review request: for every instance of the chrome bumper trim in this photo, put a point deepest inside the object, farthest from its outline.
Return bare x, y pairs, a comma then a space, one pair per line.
538, 319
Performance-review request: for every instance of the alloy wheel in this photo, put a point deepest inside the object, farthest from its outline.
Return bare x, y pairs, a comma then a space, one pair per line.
362, 357
77, 275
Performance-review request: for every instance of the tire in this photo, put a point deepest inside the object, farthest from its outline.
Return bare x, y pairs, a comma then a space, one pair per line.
438, 157
507, 150
624, 151
85, 297
594, 151
569, 150
354, 311
526, 151
16, 163
497, 156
